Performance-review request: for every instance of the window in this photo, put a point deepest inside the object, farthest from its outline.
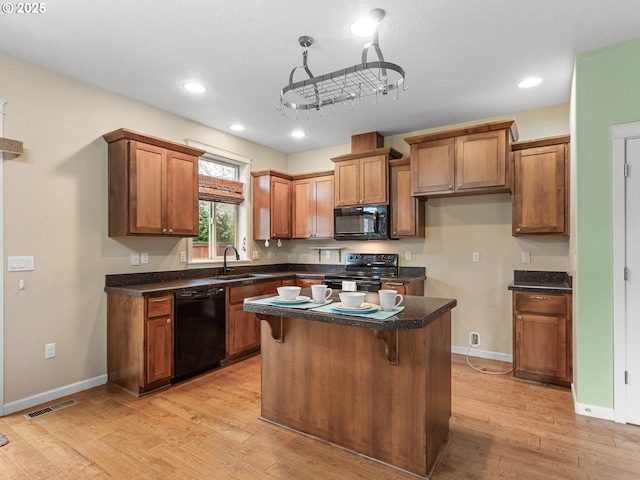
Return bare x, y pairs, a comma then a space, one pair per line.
223, 211
218, 216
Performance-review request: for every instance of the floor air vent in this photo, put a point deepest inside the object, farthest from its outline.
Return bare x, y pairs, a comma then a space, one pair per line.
50, 409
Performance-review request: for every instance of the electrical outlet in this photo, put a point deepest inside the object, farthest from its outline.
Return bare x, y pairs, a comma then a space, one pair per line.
269, 254
526, 257
135, 259
256, 255
476, 257
183, 257
144, 258
407, 255
50, 350
474, 339
327, 255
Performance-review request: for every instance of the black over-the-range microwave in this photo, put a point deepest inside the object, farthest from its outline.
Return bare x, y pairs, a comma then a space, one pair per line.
361, 223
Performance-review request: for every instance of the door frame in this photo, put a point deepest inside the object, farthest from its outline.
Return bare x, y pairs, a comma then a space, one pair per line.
2, 102
620, 135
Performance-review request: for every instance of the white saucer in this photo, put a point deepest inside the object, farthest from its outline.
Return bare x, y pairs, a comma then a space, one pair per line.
298, 299
364, 307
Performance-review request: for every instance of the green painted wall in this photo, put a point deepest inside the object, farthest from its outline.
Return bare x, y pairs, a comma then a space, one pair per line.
607, 93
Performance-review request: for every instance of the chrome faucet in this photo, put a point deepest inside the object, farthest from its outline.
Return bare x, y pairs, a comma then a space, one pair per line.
224, 258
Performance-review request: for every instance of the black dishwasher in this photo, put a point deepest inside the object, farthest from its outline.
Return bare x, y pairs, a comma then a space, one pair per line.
199, 335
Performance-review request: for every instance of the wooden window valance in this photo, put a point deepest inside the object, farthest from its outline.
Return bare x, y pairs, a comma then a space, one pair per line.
214, 189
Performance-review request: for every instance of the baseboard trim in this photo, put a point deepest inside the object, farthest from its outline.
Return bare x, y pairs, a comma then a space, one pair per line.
591, 410
474, 352
54, 394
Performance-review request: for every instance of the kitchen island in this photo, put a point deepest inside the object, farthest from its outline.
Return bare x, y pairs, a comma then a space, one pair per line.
378, 387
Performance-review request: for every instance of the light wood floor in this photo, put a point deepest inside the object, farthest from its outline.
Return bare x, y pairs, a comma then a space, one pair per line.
208, 429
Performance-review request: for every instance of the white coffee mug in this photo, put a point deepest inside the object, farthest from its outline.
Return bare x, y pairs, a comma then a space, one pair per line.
320, 293
388, 299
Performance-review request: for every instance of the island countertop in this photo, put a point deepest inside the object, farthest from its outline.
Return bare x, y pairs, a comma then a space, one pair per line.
418, 312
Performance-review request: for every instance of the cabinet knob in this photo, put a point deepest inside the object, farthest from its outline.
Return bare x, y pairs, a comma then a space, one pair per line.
518, 317
164, 230
171, 230
459, 185
450, 187
168, 320
518, 230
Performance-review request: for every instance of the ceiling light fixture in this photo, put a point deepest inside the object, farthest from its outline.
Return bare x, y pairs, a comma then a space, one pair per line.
365, 27
530, 82
236, 127
194, 87
342, 86
298, 134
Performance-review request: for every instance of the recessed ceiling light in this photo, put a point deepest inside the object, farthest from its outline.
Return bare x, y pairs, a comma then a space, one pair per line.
237, 127
194, 87
298, 134
530, 82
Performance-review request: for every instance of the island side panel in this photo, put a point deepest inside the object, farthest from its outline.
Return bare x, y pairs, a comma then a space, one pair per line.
334, 382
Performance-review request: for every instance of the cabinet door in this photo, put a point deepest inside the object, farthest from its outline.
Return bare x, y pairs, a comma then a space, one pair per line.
303, 208
407, 213
159, 354
539, 195
244, 330
374, 180
280, 208
181, 197
347, 178
541, 345
307, 282
481, 160
324, 198
433, 167
146, 191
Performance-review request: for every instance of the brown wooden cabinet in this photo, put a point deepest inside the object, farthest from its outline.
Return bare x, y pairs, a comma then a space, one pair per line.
540, 193
542, 346
413, 288
271, 205
307, 282
407, 212
243, 329
466, 161
153, 187
312, 204
363, 178
140, 341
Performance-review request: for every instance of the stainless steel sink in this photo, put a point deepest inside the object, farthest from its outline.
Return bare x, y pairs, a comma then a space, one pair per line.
240, 276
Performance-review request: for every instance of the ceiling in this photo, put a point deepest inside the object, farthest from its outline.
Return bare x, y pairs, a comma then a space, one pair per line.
463, 58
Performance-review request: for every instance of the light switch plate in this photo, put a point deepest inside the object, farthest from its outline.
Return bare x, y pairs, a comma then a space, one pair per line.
526, 257
144, 258
20, 264
476, 257
407, 255
256, 255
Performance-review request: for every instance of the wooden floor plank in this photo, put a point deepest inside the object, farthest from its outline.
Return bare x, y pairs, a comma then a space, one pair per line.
208, 428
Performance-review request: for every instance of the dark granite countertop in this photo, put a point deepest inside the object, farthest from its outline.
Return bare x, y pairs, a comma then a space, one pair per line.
541, 281
418, 312
158, 282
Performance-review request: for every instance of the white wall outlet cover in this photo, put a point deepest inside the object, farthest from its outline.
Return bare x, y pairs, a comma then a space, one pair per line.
144, 258
183, 257
135, 259
407, 255
256, 255
476, 257
327, 254
526, 257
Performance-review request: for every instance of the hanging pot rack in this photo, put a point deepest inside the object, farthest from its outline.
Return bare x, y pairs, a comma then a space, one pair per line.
342, 86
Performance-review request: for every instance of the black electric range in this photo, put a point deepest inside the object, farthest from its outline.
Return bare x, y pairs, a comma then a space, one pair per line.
366, 270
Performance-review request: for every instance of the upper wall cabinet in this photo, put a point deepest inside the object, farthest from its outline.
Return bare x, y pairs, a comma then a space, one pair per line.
313, 197
153, 185
363, 178
467, 161
271, 205
407, 212
540, 200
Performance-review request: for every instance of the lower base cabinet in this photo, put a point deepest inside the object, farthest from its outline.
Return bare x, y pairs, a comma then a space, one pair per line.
414, 288
243, 329
140, 341
542, 327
